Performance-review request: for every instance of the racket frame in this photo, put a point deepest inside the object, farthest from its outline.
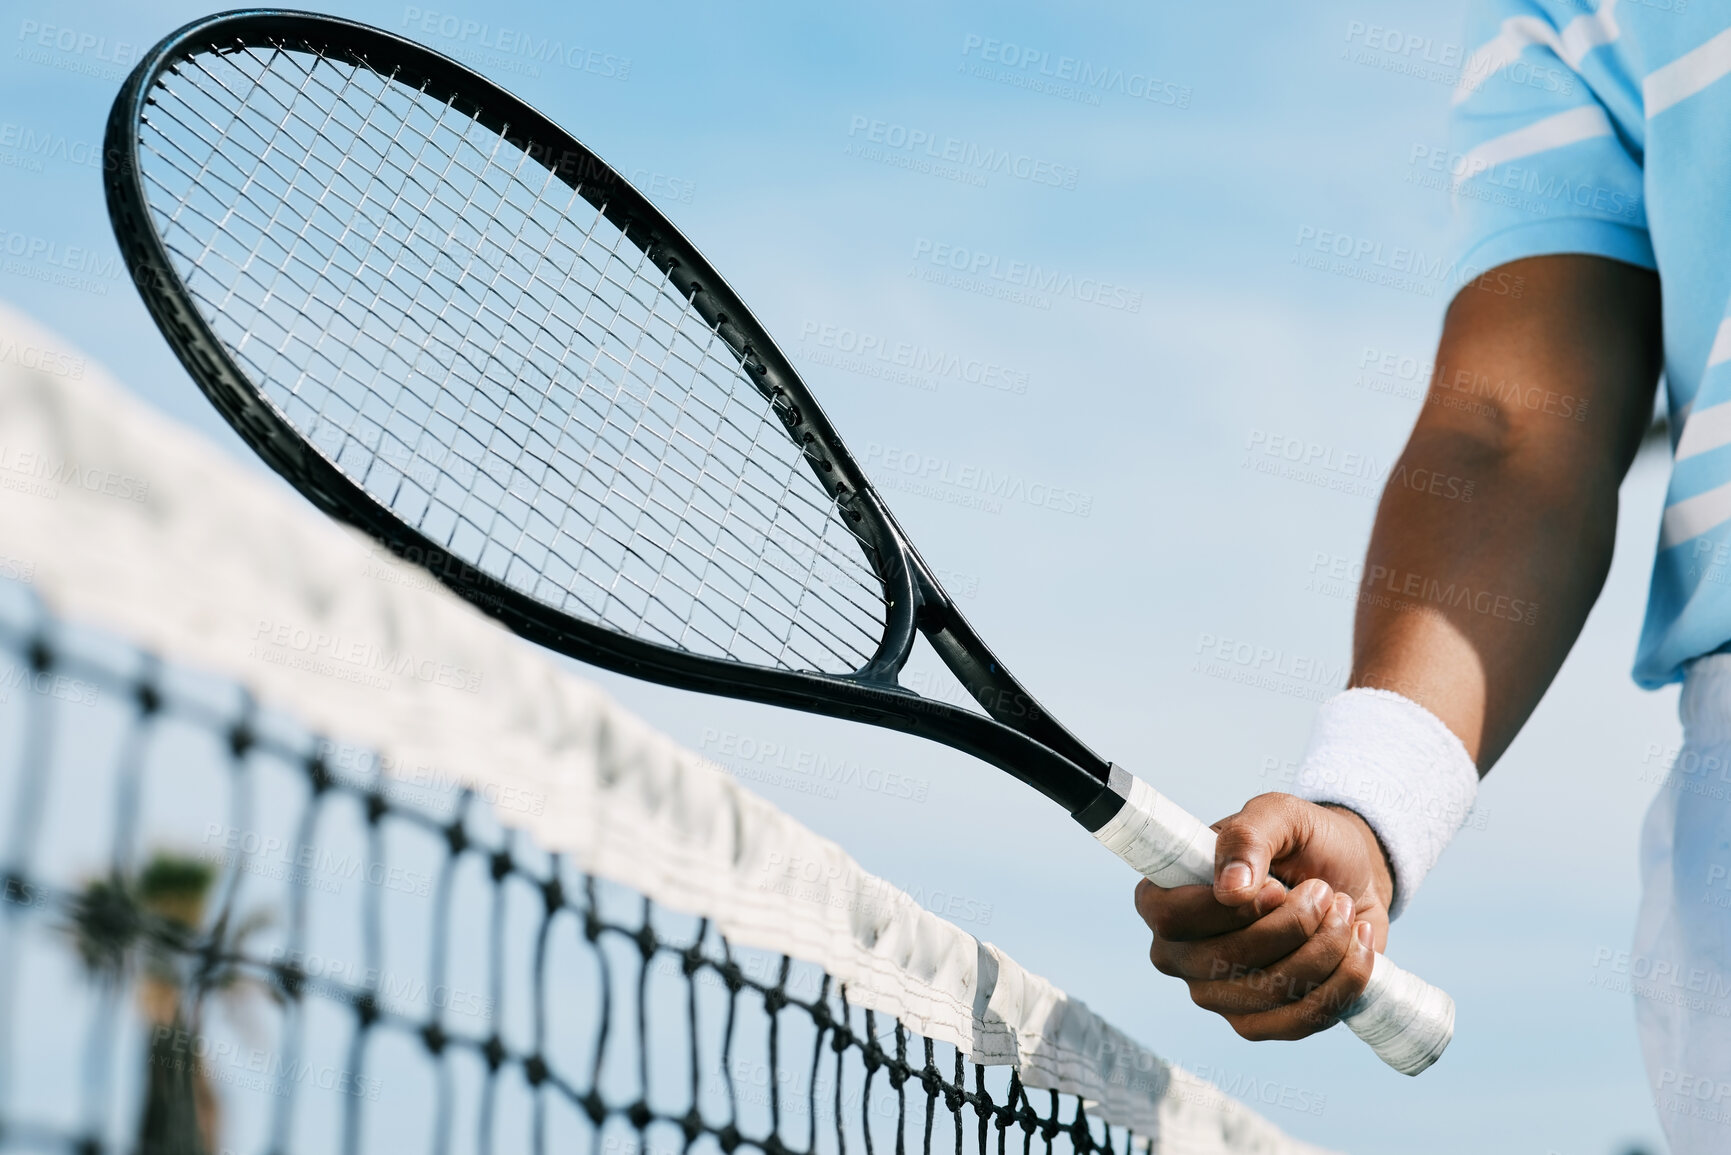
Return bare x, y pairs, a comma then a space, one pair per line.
1016, 734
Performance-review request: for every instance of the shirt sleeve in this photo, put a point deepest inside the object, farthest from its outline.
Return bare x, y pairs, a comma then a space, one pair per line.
1538, 164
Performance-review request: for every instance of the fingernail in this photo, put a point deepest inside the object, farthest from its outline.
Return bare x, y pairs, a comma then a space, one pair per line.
1236, 876
1340, 910
1362, 930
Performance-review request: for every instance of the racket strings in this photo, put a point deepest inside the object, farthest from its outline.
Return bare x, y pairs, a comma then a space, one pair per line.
479, 348
369, 119
747, 480
629, 289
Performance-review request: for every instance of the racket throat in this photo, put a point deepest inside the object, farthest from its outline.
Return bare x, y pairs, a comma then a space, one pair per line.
999, 694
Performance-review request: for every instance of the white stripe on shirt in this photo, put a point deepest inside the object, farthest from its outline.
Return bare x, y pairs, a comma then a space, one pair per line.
1687, 75
1694, 516
1565, 128
1710, 428
1583, 34
1721, 350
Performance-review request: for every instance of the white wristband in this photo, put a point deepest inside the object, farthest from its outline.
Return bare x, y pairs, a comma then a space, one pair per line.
1398, 767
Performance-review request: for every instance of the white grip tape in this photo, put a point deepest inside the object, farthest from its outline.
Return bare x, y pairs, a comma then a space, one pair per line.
1406, 1021
1164, 842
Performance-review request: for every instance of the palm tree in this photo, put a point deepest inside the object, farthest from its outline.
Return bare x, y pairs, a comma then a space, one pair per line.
152, 924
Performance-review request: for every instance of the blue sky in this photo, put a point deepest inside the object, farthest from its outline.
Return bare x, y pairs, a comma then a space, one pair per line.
1230, 144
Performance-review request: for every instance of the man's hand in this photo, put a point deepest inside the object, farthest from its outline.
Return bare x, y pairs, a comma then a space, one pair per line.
1277, 964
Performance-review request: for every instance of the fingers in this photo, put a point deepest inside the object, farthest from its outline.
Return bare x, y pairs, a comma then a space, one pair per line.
1254, 946
1322, 1007
1269, 827
1187, 913
1235, 987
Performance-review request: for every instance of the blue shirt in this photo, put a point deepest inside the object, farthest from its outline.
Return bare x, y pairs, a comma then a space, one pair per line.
1607, 130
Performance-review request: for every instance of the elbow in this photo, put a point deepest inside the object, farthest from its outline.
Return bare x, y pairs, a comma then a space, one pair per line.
1554, 460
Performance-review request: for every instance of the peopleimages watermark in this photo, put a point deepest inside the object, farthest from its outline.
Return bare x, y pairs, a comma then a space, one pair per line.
1716, 887
662, 187
1386, 797
518, 50
417, 568
1444, 62
16, 569
1539, 192
15, 891
74, 50
1020, 282
1071, 78
971, 485
1288, 773
928, 151
1419, 378
27, 147
251, 1068
38, 473
1402, 267
955, 582
937, 683
1270, 668
398, 779
1345, 471
306, 863
42, 359
1687, 770
1710, 560
1389, 587
353, 659
48, 684
1247, 1088
1700, 1097
1697, 988
403, 990
910, 363
778, 764
38, 258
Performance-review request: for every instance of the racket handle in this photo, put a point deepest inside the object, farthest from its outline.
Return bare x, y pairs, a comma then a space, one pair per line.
1406, 1021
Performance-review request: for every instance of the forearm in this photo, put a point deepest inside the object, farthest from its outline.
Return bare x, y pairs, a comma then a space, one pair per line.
1469, 607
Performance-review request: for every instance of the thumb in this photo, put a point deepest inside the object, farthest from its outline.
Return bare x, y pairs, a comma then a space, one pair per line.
1269, 827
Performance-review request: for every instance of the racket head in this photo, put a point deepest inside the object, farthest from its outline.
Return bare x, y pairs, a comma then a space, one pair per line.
411, 424
448, 321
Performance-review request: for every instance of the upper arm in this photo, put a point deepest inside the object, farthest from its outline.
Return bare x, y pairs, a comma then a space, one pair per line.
1556, 370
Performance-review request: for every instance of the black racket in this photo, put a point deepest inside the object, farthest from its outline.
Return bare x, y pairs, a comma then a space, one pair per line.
449, 324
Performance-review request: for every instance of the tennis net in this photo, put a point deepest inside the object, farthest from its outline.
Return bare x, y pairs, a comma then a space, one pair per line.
299, 853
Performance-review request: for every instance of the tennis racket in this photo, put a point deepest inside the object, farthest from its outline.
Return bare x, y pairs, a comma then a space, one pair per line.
449, 324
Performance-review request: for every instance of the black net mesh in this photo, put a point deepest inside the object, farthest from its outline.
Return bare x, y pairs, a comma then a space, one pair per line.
477, 346
221, 933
